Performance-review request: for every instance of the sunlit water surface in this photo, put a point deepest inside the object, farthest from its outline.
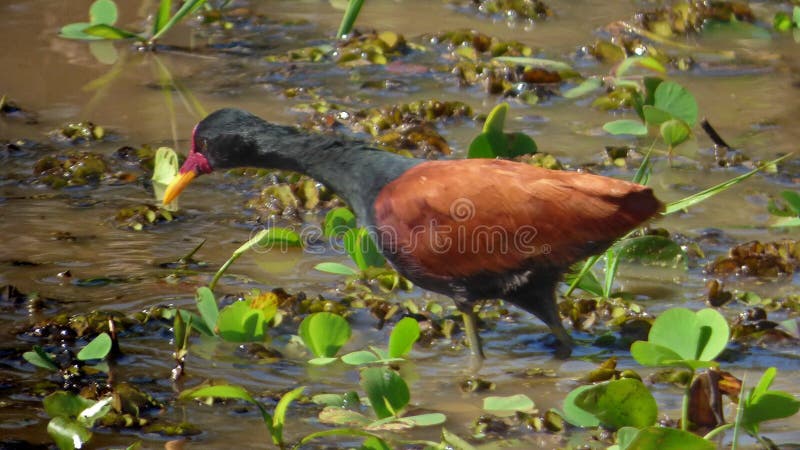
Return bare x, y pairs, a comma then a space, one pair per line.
756, 110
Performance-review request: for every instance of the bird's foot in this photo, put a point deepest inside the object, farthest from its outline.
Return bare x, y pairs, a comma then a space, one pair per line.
562, 351
563, 344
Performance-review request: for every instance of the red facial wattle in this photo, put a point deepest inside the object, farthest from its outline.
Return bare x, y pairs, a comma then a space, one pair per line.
196, 164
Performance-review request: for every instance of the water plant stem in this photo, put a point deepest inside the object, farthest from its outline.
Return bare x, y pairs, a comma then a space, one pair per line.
717, 431
685, 406
222, 270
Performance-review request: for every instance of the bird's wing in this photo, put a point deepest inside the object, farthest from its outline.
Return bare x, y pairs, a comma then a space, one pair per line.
460, 218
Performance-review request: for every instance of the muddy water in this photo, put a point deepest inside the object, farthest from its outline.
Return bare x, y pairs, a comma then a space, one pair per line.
755, 108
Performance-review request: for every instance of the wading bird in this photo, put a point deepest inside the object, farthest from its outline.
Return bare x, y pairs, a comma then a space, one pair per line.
470, 229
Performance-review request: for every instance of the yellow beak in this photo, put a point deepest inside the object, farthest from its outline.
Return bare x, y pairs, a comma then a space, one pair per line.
177, 186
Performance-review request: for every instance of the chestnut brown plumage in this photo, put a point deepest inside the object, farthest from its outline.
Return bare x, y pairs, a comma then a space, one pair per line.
470, 229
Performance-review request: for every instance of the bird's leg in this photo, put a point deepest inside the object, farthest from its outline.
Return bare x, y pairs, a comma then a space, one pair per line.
549, 315
471, 330
565, 342
539, 298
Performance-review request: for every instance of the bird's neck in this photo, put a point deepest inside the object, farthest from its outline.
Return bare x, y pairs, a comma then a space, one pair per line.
352, 169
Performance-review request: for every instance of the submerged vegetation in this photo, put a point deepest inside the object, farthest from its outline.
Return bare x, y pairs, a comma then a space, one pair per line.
355, 361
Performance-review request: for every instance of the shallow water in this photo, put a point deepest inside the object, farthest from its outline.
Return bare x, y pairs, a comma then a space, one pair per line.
754, 108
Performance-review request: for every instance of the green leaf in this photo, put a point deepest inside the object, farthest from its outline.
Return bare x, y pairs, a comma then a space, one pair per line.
508, 405
386, 390
349, 17
676, 100
346, 417
187, 7
345, 400
65, 404
278, 236
374, 443
646, 62
495, 121
338, 221
104, 31
769, 406
612, 262
208, 308
625, 126
103, 12
588, 282
165, 169
240, 322
619, 403
762, 405
98, 348
227, 391
700, 335
519, 144
675, 132
796, 16
321, 361
493, 144
787, 222
455, 442
651, 84
75, 31
324, 333
625, 436
196, 322
279, 415
642, 175
764, 383
67, 433
781, 21
714, 190
663, 438
403, 337
780, 210
481, 147
793, 200
654, 116
424, 420
576, 415
549, 64
336, 269
652, 250
588, 85
648, 354
335, 432
221, 391
584, 278
362, 249
39, 358
95, 412
267, 238
162, 17
180, 331
360, 358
